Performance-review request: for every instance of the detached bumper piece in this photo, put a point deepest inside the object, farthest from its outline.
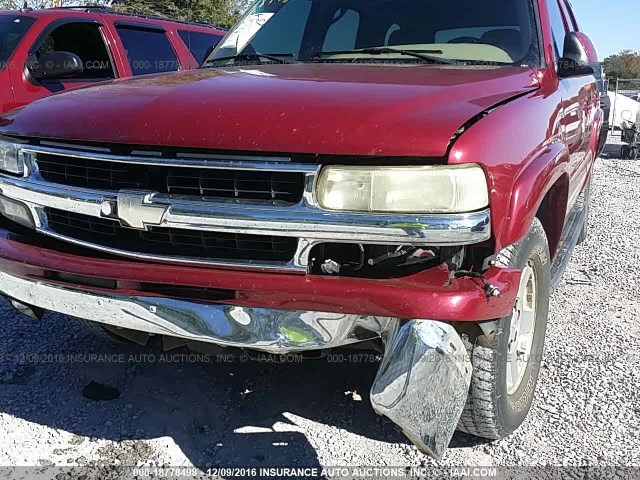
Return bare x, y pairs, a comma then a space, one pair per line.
423, 382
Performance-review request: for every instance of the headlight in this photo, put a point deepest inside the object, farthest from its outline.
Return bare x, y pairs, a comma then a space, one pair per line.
427, 189
10, 157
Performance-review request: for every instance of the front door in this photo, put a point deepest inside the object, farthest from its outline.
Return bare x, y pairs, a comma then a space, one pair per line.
579, 104
83, 38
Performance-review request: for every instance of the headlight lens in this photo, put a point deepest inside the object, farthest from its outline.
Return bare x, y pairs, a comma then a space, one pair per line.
10, 157
426, 189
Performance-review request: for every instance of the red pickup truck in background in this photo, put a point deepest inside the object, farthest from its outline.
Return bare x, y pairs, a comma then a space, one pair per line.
409, 175
51, 50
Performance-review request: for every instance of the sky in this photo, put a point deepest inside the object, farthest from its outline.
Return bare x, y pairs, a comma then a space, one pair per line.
612, 25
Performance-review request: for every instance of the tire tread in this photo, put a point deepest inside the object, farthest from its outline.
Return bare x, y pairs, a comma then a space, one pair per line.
480, 416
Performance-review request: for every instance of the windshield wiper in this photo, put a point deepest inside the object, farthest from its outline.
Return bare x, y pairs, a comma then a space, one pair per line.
487, 63
274, 57
421, 54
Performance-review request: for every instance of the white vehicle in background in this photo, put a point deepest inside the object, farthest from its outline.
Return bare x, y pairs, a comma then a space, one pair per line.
621, 104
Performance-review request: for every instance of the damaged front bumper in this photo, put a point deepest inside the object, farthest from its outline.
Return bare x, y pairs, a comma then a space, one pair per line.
421, 385
265, 329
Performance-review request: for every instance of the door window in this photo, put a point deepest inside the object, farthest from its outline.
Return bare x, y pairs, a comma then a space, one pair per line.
200, 44
571, 18
86, 41
12, 29
148, 50
558, 27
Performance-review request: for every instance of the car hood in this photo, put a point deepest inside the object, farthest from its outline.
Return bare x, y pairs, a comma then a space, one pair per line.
320, 109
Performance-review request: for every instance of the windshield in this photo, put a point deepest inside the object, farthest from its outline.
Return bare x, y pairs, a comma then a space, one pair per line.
12, 29
493, 32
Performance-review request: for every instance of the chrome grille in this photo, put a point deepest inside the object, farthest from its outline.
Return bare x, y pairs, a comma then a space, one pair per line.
171, 241
204, 183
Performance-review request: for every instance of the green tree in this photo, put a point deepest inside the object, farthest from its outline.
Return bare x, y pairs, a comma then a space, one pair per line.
16, 4
222, 13
625, 64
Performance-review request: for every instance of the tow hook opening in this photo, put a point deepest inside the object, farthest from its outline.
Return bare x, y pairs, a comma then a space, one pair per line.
29, 310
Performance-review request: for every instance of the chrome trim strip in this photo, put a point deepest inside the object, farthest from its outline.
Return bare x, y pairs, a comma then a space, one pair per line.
301, 220
216, 161
270, 330
36, 193
290, 267
49, 143
428, 230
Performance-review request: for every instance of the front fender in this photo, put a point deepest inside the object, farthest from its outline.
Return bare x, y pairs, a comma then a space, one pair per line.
548, 169
519, 145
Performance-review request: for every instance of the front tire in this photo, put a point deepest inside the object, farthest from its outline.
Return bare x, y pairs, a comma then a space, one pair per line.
506, 362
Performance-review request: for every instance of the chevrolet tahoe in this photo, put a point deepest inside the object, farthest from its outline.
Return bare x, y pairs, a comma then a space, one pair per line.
409, 176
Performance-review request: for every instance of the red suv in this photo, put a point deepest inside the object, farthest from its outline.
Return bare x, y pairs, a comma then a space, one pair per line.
411, 175
51, 50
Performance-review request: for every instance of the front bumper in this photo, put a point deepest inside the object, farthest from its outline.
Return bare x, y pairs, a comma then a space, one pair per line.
429, 294
265, 329
423, 382
421, 385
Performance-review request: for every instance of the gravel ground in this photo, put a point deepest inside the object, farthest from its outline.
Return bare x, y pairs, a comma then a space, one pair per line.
587, 409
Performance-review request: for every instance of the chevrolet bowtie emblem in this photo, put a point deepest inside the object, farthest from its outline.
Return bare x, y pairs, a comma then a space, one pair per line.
135, 209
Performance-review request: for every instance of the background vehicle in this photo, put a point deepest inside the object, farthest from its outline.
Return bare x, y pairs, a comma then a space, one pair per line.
338, 173
98, 45
605, 103
630, 135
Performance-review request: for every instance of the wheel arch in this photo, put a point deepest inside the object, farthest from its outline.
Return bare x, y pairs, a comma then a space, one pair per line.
542, 191
553, 221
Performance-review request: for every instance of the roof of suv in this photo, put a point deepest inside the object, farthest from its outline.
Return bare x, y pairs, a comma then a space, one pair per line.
94, 12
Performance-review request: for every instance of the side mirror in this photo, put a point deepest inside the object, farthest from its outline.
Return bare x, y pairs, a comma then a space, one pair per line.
55, 66
575, 60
